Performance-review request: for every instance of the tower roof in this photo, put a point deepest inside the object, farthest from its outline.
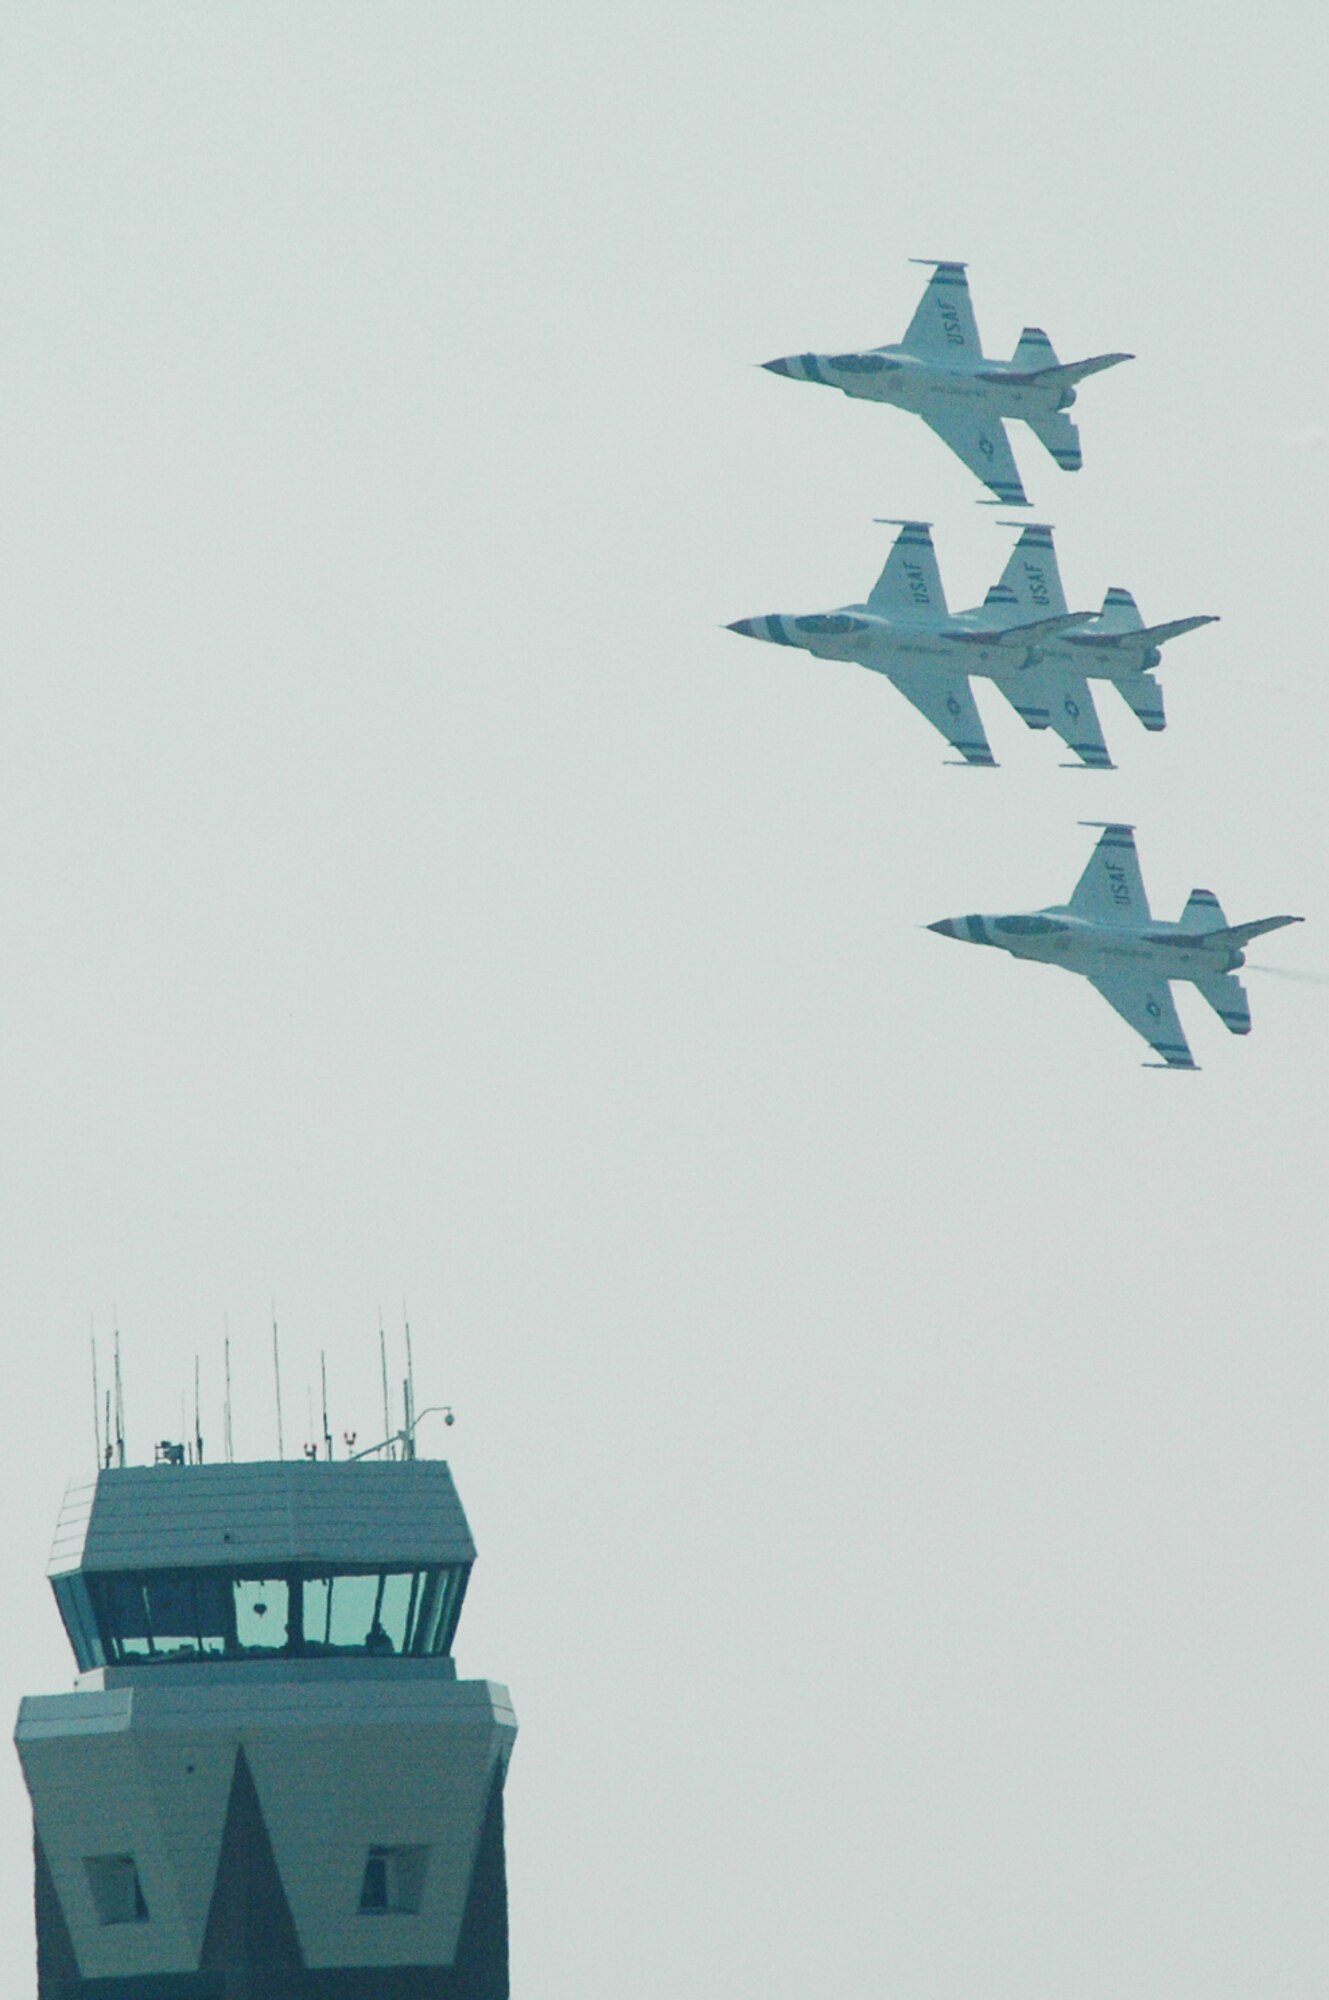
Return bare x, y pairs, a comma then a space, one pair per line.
289, 1511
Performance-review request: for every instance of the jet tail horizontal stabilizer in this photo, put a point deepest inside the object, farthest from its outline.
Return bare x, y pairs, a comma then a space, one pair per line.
1158, 635
1064, 376
1133, 637
1024, 635
1241, 934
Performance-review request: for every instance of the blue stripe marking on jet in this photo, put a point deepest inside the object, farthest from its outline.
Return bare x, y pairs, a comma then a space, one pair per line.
811, 369
777, 631
976, 929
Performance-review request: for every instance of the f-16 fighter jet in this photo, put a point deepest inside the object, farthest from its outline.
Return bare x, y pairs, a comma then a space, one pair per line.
1107, 933
1049, 686
939, 371
905, 632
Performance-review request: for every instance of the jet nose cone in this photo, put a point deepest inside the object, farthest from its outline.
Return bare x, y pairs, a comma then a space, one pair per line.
780, 367
747, 626
946, 927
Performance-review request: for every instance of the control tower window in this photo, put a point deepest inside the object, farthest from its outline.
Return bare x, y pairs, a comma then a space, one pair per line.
117, 1894
262, 1614
136, 1618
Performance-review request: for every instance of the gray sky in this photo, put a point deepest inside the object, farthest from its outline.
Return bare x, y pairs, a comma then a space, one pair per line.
893, 1420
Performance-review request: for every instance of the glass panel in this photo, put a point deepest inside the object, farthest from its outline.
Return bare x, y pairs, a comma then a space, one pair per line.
392, 1612
354, 1600
71, 1595
210, 1614
170, 1601
124, 1617
317, 1612
261, 1610
438, 1612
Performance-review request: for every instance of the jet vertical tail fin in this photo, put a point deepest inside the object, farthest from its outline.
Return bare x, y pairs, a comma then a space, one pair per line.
1203, 912
1035, 352
1120, 613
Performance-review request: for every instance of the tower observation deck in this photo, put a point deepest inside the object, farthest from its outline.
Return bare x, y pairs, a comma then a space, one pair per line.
268, 1783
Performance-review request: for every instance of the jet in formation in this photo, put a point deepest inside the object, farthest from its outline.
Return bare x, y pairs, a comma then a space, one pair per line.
1022, 637
1106, 933
939, 371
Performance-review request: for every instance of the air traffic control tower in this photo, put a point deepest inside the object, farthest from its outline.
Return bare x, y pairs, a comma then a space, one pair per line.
269, 1783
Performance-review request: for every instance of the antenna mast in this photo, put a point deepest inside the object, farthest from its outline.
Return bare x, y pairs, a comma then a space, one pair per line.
226, 1414
327, 1434
198, 1420
119, 1407
276, 1370
387, 1411
408, 1389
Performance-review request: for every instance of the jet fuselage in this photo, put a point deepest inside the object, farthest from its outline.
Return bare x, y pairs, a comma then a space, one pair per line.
890, 375
866, 639
1056, 937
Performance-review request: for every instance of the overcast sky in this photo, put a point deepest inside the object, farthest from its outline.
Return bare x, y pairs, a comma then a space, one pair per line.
893, 1420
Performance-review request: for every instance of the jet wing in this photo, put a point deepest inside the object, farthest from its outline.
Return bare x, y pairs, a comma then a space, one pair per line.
981, 442
911, 581
943, 327
947, 701
1146, 1005
1031, 575
1072, 714
1111, 889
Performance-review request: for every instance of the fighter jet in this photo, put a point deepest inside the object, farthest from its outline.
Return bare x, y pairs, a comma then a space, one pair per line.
905, 632
1106, 933
939, 371
1049, 687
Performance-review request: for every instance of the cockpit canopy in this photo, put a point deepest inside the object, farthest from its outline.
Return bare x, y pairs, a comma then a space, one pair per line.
831, 621
1032, 926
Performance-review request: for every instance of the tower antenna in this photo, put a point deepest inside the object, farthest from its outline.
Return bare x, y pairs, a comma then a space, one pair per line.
383, 1360
96, 1392
327, 1434
276, 1371
409, 1387
227, 1441
119, 1403
198, 1420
